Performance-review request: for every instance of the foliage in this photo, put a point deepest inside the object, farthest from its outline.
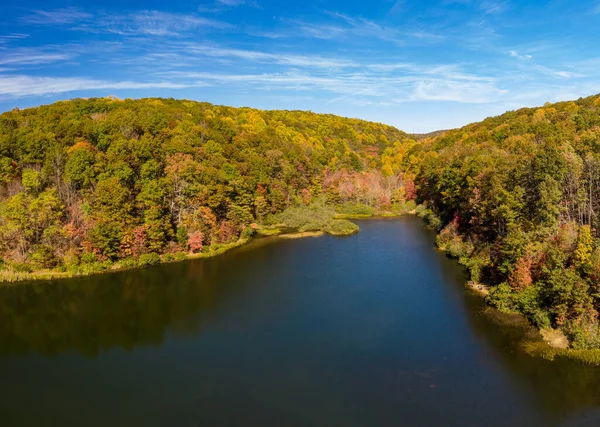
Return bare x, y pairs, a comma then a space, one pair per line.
524, 189
305, 218
149, 259
340, 227
88, 183
355, 209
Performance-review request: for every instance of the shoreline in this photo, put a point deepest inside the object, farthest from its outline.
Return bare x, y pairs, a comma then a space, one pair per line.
549, 344
9, 278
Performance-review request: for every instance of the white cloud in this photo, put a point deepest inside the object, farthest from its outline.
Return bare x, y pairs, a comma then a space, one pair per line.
231, 2
151, 23
62, 16
12, 37
493, 6
138, 23
358, 27
12, 86
292, 60
437, 84
31, 56
524, 57
468, 93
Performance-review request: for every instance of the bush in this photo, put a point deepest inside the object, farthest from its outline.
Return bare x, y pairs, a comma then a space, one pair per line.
355, 209
88, 258
429, 217
43, 257
94, 267
149, 259
248, 232
501, 297
404, 207
21, 267
341, 227
128, 263
304, 218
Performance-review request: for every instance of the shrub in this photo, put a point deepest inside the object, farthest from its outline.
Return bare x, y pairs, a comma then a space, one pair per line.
404, 207
43, 257
304, 218
149, 259
355, 209
21, 267
501, 297
341, 227
88, 258
128, 263
248, 232
195, 241
429, 217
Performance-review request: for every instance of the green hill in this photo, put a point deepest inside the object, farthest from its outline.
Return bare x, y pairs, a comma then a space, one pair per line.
519, 198
85, 184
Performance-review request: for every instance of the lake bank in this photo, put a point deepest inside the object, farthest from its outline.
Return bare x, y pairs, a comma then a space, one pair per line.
283, 232
547, 344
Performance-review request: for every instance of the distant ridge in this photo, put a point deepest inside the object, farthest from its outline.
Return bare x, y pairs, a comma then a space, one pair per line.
422, 136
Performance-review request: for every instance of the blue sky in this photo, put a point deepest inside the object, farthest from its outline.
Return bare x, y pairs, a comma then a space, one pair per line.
419, 65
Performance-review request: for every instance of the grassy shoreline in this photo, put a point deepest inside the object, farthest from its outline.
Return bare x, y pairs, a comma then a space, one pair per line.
281, 231
14, 278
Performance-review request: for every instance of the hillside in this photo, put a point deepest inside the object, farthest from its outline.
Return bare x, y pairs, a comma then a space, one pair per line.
519, 197
88, 185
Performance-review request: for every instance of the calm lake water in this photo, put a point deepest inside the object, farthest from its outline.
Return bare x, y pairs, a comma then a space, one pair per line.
371, 330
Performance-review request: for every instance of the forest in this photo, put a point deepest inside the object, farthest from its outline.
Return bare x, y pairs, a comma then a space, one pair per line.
518, 198
89, 185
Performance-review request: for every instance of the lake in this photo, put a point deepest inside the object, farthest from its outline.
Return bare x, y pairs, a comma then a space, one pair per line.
370, 330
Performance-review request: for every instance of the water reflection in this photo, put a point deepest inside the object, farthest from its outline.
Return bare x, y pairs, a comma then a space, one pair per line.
126, 310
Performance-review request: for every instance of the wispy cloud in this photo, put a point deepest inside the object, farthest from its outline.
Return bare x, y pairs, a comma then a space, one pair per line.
14, 36
231, 2
31, 57
8, 39
367, 28
493, 6
485, 6
528, 59
345, 26
62, 16
312, 61
138, 23
12, 87
151, 23
445, 83
523, 57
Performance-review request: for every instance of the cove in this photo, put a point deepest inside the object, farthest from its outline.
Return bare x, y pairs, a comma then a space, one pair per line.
375, 329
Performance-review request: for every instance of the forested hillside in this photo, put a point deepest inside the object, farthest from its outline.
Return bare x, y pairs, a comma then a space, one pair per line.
519, 200
85, 184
